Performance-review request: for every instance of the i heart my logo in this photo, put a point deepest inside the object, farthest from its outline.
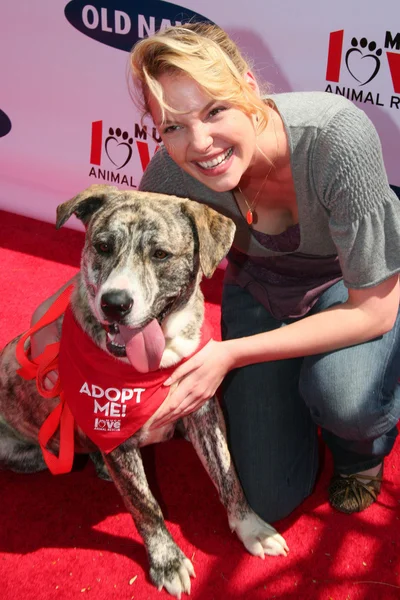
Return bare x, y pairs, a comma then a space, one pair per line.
362, 67
118, 152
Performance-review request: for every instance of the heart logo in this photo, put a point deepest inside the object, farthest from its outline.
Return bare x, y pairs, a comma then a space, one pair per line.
362, 67
119, 152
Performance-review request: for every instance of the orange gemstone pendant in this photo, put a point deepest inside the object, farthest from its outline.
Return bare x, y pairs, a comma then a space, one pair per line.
249, 217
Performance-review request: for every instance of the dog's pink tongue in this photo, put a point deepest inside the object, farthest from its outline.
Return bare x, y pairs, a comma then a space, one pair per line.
144, 347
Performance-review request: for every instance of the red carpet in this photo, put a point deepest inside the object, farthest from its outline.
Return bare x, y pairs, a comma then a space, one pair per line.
70, 536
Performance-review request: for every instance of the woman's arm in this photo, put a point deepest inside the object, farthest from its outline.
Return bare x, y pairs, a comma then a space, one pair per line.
368, 313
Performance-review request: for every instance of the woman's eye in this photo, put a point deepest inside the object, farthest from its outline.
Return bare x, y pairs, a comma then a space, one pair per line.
160, 254
103, 248
171, 129
216, 110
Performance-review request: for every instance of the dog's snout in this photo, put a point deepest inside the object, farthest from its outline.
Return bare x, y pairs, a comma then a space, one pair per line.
115, 304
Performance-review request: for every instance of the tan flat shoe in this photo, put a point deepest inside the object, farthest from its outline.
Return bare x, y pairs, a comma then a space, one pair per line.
349, 494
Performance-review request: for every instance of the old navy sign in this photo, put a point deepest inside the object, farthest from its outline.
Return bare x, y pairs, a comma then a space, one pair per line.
120, 24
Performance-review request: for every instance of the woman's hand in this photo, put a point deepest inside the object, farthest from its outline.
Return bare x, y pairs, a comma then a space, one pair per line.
199, 379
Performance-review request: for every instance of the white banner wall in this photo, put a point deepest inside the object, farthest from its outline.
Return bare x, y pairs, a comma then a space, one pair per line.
66, 116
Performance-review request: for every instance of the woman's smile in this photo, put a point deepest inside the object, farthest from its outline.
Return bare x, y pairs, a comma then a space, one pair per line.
211, 140
217, 164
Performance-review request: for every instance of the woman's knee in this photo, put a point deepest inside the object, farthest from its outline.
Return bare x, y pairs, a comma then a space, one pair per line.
346, 399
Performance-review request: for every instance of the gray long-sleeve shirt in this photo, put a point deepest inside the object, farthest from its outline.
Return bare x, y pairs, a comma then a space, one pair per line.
345, 205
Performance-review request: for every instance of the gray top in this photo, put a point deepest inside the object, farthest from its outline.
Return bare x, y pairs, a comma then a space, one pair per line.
345, 205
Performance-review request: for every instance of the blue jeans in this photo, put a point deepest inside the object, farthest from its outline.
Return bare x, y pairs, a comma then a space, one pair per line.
272, 409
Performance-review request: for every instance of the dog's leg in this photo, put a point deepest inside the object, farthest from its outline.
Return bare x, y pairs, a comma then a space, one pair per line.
206, 430
169, 567
101, 469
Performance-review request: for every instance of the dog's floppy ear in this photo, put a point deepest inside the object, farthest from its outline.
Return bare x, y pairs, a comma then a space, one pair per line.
85, 204
215, 233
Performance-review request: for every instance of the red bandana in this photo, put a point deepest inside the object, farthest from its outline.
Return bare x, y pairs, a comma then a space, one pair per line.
109, 403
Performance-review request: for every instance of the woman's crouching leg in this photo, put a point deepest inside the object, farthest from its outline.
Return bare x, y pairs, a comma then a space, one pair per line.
272, 439
271, 436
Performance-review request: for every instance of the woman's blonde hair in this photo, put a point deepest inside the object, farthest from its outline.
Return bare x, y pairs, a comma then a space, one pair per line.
203, 52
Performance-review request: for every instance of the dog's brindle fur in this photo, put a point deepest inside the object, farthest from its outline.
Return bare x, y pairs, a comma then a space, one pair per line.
124, 232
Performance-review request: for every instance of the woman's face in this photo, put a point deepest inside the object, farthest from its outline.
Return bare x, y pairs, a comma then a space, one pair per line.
212, 141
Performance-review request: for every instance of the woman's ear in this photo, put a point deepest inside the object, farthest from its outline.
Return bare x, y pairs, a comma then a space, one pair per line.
251, 80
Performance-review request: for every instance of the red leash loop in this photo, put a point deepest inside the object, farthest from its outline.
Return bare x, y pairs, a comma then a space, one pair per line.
38, 369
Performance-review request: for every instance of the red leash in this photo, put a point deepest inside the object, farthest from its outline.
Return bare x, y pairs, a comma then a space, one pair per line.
38, 369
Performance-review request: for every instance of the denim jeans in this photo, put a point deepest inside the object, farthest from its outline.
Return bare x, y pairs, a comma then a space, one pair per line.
273, 409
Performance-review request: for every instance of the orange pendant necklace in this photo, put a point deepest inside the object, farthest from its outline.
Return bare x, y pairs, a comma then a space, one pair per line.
251, 215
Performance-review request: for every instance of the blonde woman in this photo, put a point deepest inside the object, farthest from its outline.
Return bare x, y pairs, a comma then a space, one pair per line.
310, 320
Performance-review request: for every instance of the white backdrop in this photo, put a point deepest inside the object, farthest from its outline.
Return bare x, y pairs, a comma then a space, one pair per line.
66, 117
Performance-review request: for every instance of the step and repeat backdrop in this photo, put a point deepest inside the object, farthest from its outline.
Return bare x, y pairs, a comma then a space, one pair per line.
66, 116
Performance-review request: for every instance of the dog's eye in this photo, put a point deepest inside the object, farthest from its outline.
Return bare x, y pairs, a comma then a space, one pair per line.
103, 248
160, 254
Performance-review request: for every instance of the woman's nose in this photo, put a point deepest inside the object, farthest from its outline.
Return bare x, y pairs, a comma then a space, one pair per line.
201, 138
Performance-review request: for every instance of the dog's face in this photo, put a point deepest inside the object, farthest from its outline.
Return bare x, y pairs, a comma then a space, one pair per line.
143, 253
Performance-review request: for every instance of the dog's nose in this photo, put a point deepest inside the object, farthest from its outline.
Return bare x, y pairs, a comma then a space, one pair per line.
115, 304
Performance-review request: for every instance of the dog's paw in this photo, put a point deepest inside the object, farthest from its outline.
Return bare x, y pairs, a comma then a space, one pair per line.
258, 537
169, 358
174, 575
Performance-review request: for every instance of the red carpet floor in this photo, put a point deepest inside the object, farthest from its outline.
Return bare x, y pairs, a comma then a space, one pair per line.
70, 536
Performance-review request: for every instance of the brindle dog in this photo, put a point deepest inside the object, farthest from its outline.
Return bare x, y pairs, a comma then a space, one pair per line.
151, 250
